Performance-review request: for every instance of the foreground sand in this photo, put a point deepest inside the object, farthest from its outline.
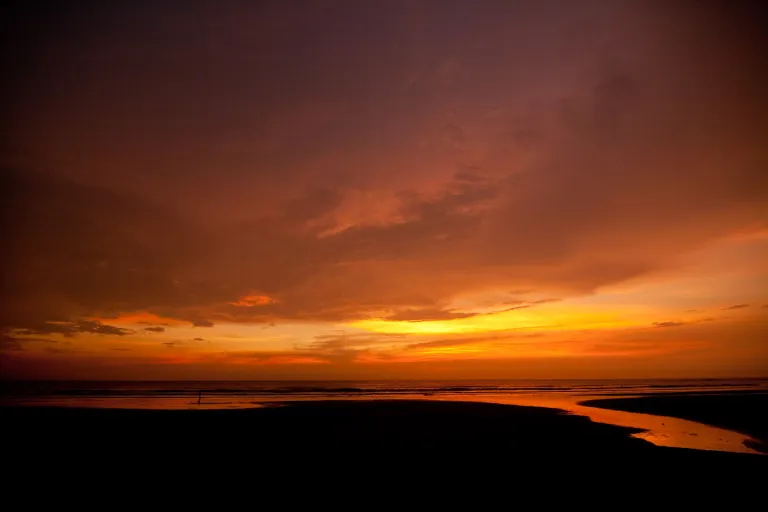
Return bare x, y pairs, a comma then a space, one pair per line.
434, 434
737, 411
367, 455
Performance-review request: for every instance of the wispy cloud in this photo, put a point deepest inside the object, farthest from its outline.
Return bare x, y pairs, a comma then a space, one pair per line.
669, 324
70, 329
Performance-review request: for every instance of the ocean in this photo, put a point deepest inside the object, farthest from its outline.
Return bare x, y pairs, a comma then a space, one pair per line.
238, 394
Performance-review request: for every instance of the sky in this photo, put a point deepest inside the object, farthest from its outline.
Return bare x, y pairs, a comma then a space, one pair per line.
384, 190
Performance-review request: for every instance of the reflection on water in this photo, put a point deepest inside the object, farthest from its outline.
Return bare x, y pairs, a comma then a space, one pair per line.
659, 430
137, 402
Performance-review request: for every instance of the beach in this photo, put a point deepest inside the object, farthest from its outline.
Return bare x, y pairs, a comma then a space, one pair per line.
436, 435
360, 452
724, 401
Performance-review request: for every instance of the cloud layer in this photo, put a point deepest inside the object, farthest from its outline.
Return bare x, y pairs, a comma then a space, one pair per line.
412, 162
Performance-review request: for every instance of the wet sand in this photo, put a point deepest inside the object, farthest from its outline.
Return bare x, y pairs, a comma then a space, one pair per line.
739, 412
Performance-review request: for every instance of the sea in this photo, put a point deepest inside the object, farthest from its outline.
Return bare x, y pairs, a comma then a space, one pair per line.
560, 394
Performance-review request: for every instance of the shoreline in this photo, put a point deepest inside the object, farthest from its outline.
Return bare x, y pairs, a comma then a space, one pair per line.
737, 412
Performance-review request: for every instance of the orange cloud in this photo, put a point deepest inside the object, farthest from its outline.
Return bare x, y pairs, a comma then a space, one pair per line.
141, 318
251, 300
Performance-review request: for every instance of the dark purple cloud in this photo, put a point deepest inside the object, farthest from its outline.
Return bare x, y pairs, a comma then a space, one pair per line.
356, 158
70, 329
